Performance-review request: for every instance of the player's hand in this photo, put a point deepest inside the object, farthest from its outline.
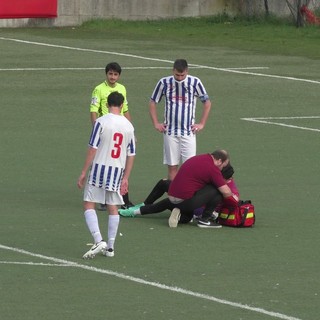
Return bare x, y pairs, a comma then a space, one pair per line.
161, 127
197, 127
124, 188
81, 180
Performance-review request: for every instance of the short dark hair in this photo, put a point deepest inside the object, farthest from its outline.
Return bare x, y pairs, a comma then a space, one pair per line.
114, 66
227, 171
115, 99
180, 65
220, 155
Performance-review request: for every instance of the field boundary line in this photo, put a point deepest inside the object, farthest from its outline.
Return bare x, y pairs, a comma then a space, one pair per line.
159, 60
152, 284
268, 120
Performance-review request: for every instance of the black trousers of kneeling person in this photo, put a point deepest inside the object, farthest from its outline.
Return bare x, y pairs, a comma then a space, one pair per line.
208, 196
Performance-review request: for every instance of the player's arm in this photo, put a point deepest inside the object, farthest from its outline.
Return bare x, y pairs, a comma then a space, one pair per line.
124, 188
125, 107
204, 117
93, 117
89, 158
228, 197
128, 115
154, 117
95, 105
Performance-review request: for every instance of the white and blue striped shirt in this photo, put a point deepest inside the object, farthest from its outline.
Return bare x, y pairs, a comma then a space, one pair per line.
180, 102
113, 137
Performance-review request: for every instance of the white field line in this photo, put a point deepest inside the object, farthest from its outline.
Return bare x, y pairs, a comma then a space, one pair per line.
152, 284
158, 60
29, 263
268, 120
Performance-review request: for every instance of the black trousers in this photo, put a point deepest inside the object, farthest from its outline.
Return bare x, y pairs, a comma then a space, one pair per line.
157, 192
209, 196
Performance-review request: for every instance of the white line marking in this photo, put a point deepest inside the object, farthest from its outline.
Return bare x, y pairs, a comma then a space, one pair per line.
29, 263
159, 60
286, 118
153, 284
247, 68
264, 120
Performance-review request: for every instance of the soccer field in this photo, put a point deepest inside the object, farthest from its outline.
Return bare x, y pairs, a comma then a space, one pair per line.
265, 113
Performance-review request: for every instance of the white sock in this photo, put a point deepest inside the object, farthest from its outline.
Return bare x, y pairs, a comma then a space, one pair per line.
93, 224
137, 211
113, 225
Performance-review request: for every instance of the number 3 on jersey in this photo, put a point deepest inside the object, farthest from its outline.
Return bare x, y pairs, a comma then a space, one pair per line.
116, 150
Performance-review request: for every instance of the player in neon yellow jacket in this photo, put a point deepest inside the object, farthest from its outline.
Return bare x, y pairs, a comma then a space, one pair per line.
98, 106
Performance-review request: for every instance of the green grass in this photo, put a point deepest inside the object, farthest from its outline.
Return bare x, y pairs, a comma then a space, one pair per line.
273, 36
45, 126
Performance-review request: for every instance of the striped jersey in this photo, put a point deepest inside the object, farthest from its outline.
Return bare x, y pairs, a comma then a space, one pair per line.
180, 102
113, 137
100, 95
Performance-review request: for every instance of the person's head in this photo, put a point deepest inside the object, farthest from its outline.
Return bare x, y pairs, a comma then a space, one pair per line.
220, 158
113, 71
115, 99
227, 171
180, 69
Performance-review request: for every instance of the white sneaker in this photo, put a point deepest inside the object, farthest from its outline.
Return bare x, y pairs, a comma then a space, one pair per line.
109, 253
174, 218
95, 249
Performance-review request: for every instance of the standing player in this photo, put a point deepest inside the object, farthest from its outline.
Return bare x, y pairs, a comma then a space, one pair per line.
98, 106
179, 128
110, 157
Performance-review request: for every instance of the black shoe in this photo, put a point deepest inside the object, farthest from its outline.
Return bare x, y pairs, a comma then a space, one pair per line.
127, 205
208, 223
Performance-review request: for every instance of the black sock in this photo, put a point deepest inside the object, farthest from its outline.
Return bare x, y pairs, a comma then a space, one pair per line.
126, 198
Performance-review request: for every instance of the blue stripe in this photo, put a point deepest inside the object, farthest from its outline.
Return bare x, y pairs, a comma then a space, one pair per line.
157, 93
169, 106
95, 131
108, 177
177, 108
115, 179
101, 178
94, 174
131, 146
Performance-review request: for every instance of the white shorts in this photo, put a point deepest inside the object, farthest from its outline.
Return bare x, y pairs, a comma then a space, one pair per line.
176, 149
100, 195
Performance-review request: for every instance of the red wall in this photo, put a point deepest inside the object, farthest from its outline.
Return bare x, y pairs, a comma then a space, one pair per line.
14, 9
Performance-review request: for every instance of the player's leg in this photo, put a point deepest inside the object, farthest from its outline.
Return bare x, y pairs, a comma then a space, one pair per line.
171, 154
208, 196
113, 200
158, 191
188, 147
157, 207
127, 202
93, 195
